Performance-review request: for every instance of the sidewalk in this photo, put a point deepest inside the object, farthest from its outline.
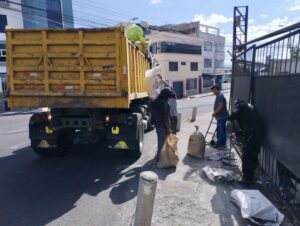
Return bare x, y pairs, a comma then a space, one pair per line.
185, 197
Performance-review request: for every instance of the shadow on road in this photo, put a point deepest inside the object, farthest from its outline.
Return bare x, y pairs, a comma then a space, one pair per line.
36, 191
228, 212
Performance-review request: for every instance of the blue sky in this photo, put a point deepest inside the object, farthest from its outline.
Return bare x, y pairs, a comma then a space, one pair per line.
265, 16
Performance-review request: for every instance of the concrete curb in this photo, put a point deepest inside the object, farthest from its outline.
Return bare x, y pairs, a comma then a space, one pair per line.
207, 94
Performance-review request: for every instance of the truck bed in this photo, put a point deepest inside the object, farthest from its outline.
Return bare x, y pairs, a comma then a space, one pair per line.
68, 68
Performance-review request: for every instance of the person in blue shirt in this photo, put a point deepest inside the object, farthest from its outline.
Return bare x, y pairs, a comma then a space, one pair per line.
221, 114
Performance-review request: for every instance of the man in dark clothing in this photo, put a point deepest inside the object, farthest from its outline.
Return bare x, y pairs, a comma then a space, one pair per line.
249, 127
221, 114
161, 118
173, 105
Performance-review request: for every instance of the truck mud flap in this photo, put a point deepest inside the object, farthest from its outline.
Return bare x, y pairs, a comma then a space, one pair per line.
121, 137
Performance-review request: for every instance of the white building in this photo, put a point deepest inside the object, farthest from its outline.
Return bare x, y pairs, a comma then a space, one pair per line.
9, 16
180, 58
213, 44
213, 49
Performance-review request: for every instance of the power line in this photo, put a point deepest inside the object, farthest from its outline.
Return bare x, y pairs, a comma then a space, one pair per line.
120, 13
65, 17
111, 21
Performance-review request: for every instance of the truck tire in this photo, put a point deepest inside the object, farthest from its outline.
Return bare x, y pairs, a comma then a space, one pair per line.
64, 146
139, 142
139, 145
40, 151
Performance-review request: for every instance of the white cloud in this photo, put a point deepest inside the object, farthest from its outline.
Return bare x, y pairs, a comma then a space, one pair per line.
251, 21
263, 16
256, 31
213, 19
155, 2
293, 5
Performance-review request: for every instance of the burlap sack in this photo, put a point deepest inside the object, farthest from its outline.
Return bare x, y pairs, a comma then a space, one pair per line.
168, 156
196, 146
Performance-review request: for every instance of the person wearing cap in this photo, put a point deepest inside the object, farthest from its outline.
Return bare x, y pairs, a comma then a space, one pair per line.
136, 34
161, 118
221, 114
248, 126
172, 101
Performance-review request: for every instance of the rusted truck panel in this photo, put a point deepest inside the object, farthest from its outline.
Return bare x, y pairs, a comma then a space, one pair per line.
70, 68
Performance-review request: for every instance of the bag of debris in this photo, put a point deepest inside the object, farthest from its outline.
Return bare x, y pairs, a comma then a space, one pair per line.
256, 207
168, 156
218, 174
153, 84
196, 146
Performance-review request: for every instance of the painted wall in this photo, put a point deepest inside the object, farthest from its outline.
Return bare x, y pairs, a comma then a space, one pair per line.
184, 71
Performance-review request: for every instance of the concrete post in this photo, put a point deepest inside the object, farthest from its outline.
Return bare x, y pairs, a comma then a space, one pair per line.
194, 114
145, 199
178, 122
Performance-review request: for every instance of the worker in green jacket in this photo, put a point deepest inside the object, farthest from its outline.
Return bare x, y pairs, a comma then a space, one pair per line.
135, 33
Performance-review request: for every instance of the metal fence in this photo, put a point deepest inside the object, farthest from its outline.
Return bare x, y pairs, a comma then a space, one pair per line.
267, 75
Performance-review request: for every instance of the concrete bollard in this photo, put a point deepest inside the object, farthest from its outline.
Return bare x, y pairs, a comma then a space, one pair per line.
194, 114
178, 122
145, 199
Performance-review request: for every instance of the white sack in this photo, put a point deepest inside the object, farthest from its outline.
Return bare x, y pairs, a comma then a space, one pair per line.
218, 174
153, 83
254, 204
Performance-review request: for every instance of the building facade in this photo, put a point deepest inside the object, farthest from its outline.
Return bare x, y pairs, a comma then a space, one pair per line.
48, 14
180, 59
213, 50
213, 44
13, 18
32, 14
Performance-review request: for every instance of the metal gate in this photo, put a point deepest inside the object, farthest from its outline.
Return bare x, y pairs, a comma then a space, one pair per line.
267, 74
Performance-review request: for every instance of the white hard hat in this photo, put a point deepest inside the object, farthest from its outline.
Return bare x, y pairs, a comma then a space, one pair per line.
144, 24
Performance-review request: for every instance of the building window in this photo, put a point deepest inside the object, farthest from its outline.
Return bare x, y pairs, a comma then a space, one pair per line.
220, 47
153, 48
191, 84
173, 47
208, 46
194, 66
219, 63
3, 23
173, 66
2, 55
207, 63
183, 63
54, 14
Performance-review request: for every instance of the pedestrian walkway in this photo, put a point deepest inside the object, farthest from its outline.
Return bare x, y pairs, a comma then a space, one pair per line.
185, 197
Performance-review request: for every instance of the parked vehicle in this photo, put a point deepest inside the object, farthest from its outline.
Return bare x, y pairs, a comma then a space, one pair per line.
91, 80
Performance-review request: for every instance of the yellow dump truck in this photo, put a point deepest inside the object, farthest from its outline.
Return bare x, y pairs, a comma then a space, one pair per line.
92, 80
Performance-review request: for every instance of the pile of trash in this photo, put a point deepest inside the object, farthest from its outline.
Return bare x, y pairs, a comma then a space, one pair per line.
256, 207
219, 155
215, 174
153, 83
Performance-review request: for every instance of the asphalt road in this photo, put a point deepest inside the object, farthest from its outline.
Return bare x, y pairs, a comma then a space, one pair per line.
91, 186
